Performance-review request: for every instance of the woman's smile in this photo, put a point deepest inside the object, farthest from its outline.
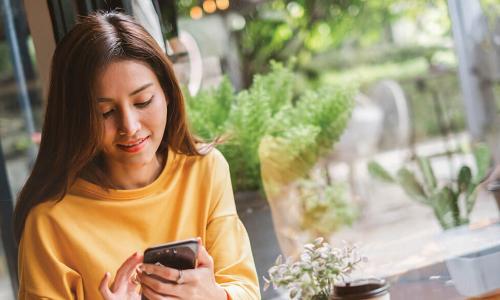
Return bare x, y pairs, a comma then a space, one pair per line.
134, 146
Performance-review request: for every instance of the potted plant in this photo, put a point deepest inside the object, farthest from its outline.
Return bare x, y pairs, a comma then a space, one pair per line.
302, 125
294, 145
313, 275
277, 135
243, 117
443, 197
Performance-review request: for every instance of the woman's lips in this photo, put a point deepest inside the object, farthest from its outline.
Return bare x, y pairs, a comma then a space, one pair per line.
134, 146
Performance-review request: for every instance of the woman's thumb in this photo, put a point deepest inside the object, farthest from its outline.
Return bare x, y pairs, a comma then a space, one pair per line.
204, 259
104, 287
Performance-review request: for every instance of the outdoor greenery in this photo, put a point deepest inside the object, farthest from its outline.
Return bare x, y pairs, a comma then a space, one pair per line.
316, 271
357, 42
340, 60
299, 124
308, 29
443, 197
436, 105
282, 28
365, 75
432, 92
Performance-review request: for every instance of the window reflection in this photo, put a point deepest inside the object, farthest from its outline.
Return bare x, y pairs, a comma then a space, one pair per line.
20, 119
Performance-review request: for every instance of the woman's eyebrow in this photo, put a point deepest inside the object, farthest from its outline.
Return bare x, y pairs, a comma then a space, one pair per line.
140, 89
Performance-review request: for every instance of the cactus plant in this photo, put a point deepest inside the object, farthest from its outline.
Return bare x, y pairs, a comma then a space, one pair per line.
443, 198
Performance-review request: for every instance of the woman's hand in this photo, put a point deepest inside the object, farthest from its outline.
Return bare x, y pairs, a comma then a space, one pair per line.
159, 282
124, 287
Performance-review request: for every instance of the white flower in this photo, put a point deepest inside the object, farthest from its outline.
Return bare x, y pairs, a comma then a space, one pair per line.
309, 247
318, 267
305, 257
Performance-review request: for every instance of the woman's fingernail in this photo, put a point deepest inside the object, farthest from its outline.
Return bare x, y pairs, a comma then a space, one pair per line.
143, 269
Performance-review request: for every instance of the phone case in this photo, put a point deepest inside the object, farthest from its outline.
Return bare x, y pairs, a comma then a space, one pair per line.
179, 255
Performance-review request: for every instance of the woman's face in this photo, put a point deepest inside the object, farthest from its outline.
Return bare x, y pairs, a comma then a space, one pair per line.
134, 111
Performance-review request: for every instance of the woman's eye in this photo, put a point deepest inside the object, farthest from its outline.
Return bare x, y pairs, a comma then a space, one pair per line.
144, 104
108, 113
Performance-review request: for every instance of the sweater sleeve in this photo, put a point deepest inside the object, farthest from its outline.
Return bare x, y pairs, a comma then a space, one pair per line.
228, 243
42, 272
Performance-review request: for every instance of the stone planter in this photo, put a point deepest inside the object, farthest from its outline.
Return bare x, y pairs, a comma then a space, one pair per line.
476, 275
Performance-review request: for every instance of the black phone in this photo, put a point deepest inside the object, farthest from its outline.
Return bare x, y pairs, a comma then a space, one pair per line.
180, 255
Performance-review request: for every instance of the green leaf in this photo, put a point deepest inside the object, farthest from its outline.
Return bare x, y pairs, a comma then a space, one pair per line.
470, 201
209, 110
482, 155
377, 171
464, 179
411, 185
445, 204
427, 172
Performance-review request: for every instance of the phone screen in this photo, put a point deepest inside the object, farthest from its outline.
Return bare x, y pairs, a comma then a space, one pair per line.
179, 255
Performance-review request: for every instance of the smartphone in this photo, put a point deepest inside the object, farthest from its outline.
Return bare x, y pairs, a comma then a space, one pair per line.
180, 255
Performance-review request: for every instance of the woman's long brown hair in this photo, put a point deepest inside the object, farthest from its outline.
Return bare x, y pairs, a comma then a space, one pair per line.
73, 126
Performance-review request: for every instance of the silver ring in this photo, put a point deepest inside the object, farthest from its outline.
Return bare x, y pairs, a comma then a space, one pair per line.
179, 279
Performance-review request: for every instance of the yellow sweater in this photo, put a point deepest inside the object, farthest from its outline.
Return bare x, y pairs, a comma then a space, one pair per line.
67, 246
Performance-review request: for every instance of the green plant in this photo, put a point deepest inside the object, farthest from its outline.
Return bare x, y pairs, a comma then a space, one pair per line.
313, 275
243, 117
325, 207
444, 198
301, 124
251, 113
208, 111
301, 133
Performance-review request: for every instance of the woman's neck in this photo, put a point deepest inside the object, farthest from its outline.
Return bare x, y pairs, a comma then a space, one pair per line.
129, 177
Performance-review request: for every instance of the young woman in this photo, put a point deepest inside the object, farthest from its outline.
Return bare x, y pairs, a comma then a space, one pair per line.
118, 171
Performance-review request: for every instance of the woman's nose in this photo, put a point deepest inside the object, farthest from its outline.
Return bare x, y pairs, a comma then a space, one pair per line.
130, 123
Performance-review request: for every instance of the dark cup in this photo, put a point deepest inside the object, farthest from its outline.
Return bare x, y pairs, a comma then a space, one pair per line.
365, 289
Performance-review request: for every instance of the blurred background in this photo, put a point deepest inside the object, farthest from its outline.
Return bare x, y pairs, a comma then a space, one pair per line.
325, 103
